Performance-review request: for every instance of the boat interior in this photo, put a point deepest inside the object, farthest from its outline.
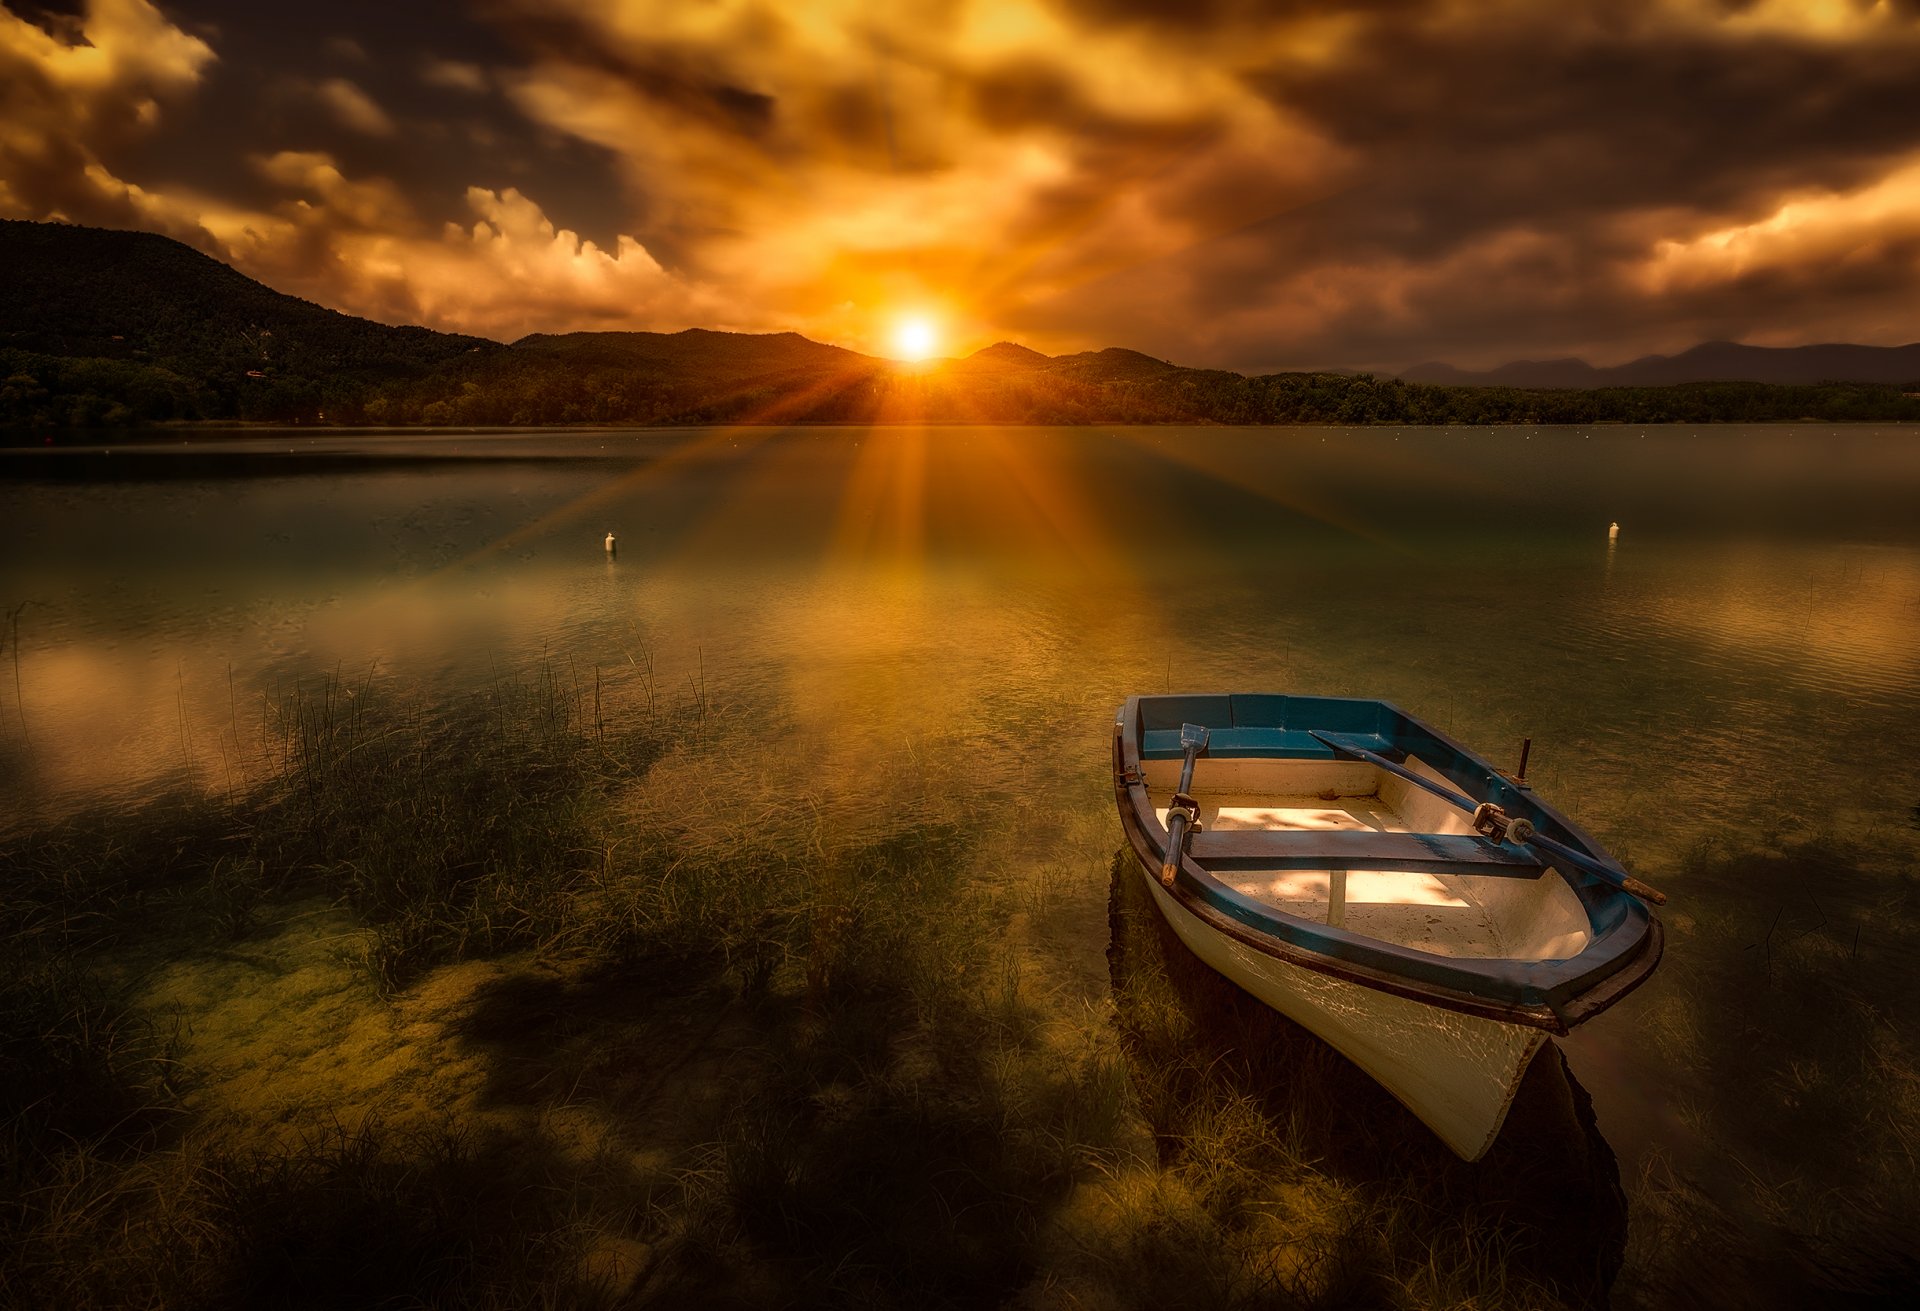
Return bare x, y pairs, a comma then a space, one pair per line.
1472, 906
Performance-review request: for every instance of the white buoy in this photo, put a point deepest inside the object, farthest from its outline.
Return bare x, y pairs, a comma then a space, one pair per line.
611, 547
1613, 535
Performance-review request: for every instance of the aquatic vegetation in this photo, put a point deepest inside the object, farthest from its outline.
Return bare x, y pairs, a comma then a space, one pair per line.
528, 1001
371, 1215
1799, 973
79, 1063
808, 1049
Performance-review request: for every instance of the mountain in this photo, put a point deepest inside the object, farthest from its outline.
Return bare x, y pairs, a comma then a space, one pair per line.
155, 304
1521, 373
696, 352
1713, 361
116, 328
1002, 357
1114, 364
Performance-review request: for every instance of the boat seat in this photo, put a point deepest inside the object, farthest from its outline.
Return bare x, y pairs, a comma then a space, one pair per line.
1334, 849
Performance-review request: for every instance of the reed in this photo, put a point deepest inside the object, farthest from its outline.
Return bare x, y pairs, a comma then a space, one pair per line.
80, 1063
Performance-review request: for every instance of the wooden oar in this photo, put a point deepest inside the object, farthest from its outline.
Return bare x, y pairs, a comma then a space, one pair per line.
1183, 811
1447, 795
1520, 832
1644, 891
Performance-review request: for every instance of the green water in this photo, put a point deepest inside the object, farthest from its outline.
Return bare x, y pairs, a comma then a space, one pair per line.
1738, 672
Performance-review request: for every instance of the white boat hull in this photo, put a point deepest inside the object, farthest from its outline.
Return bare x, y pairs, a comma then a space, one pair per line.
1458, 1073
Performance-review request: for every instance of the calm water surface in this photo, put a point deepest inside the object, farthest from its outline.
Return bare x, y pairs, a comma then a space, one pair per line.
1742, 665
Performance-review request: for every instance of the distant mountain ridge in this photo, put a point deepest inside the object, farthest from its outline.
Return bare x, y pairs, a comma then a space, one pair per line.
692, 351
1713, 361
102, 328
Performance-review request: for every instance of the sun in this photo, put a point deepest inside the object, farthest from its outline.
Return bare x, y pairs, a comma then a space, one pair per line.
915, 337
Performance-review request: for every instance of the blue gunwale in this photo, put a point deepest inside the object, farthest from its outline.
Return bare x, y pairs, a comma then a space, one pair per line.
1624, 938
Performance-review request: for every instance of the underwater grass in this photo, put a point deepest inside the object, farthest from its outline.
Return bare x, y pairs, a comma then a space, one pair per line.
367, 1216
888, 1127
453, 834
1800, 1069
79, 1065
664, 1030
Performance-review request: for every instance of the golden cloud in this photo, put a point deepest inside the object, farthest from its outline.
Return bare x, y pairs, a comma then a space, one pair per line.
453, 74
65, 101
1814, 230
353, 108
835, 161
509, 272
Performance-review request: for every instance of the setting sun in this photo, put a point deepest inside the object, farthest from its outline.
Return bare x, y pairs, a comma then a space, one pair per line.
915, 337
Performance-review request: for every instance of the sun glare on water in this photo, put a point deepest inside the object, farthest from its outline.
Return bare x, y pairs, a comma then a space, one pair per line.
915, 337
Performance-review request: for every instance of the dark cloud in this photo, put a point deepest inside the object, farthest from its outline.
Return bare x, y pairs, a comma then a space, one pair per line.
1591, 138
670, 74
1543, 123
265, 95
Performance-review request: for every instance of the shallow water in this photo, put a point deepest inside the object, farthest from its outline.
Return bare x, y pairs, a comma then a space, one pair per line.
1740, 666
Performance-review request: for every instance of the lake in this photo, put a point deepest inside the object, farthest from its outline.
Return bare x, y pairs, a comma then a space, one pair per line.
1727, 695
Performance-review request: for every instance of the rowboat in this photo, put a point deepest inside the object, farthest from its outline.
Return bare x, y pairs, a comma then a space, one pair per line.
1378, 883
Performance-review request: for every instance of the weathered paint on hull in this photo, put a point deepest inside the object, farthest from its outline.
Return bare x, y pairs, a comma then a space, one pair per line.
1458, 1073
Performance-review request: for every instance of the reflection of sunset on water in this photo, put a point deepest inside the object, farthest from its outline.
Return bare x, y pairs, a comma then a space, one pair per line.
900, 578
1844, 617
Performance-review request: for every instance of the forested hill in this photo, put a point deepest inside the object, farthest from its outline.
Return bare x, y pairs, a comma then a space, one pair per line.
113, 328
146, 324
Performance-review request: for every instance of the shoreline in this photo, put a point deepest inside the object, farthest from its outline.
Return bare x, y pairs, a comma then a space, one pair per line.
59, 437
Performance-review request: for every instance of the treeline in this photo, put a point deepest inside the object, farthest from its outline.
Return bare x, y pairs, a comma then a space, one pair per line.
45, 391
507, 387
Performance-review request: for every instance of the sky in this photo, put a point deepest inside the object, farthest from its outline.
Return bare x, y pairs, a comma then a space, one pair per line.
1245, 184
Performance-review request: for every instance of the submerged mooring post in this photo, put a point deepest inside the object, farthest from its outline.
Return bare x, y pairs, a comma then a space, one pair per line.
612, 547
1613, 532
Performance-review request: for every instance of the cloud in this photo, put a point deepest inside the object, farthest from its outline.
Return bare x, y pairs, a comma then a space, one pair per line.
352, 240
74, 97
1852, 257
834, 162
453, 75
1536, 163
1282, 183
374, 206
512, 271
361, 245
345, 47
1249, 183
353, 108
